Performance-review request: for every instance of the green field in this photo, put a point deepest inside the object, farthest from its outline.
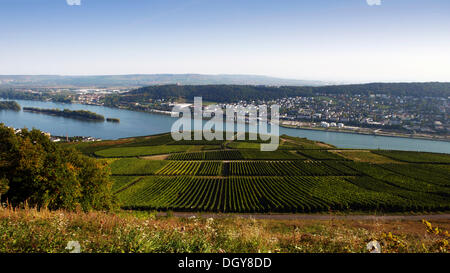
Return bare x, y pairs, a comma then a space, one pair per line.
320, 155
135, 166
304, 176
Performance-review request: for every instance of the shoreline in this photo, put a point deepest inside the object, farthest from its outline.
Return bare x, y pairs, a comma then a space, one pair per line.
385, 134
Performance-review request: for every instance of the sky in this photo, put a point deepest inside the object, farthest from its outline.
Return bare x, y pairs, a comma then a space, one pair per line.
328, 40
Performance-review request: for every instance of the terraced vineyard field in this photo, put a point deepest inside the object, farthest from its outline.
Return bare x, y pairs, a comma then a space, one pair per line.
211, 155
302, 177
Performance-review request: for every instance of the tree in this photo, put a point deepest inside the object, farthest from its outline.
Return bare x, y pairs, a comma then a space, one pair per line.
47, 175
3, 186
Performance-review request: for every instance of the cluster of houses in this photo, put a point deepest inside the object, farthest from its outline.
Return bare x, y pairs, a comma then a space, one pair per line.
60, 138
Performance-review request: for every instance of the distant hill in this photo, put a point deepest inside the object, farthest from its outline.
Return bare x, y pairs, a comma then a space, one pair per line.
234, 93
139, 80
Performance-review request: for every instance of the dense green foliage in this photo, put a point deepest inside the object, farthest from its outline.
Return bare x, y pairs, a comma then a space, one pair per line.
43, 174
77, 114
11, 93
9, 105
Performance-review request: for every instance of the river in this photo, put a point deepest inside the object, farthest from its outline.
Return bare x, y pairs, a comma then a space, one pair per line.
134, 123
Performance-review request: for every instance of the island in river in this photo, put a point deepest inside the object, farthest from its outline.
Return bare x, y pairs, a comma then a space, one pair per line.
9, 105
77, 114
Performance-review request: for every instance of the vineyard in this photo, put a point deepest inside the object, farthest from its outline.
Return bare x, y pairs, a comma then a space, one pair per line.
263, 194
303, 176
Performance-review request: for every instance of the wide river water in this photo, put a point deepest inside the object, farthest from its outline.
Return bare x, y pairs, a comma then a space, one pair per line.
134, 123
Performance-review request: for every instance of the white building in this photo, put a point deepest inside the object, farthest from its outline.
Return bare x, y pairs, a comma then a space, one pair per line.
324, 124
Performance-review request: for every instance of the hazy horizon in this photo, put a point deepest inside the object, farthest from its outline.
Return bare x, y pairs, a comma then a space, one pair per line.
322, 40
239, 75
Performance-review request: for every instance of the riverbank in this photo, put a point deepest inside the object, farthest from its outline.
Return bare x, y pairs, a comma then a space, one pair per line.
372, 133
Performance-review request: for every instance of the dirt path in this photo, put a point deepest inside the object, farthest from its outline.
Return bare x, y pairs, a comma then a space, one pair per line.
311, 216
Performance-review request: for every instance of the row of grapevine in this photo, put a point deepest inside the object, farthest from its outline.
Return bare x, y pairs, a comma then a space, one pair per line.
256, 168
412, 200
187, 156
264, 194
423, 173
197, 142
212, 155
415, 157
180, 168
399, 180
207, 168
210, 168
283, 168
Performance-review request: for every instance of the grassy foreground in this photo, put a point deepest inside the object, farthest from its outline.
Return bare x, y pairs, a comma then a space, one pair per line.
28, 230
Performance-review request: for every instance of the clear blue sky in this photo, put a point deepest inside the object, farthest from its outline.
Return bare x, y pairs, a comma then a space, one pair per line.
336, 40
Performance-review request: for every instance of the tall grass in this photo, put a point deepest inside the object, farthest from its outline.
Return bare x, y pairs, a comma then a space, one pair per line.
30, 230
